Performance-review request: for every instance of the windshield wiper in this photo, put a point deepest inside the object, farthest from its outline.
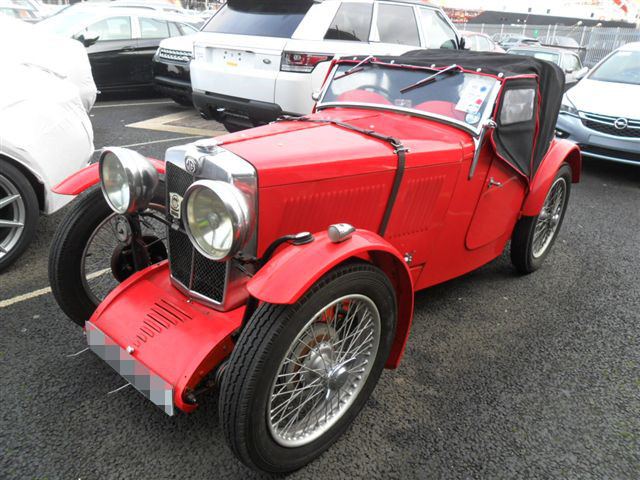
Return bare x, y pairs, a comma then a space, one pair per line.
450, 69
356, 68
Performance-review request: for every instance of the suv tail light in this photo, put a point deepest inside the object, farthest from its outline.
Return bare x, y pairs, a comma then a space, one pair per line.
302, 62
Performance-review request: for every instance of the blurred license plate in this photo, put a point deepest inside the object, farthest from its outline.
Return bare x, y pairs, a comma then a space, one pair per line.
236, 58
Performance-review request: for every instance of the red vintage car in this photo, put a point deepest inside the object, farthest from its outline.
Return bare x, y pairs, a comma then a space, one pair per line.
283, 268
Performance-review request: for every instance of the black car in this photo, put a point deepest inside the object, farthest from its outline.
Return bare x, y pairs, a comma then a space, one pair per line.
121, 42
171, 74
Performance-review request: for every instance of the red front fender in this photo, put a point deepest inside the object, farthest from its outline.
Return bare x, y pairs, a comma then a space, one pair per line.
561, 151
292, 272
89, 176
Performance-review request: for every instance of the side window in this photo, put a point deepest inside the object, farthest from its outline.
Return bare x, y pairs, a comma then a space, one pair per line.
153, 28
352, 22
483, 44
471, 42
518, 106
115, 28
174, 31
571, 63
397, 24
438, 33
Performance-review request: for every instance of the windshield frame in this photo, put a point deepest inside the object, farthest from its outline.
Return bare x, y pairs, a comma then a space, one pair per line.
475, 131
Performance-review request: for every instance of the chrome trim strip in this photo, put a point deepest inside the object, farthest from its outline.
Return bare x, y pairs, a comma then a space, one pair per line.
611, 159
150, 384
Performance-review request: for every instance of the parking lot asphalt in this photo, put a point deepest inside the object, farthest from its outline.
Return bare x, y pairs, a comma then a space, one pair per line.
504, 376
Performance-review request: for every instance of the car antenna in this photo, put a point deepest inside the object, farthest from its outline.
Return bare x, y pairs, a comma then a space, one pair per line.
430, 78
356, 68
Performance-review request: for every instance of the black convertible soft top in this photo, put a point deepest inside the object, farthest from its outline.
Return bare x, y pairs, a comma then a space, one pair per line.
523, 146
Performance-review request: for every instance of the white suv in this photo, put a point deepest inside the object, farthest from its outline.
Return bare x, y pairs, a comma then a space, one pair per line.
254, 61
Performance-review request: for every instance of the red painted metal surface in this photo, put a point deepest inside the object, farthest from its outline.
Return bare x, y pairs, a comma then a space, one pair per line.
179, 340
283, 281
88, 177
560, 151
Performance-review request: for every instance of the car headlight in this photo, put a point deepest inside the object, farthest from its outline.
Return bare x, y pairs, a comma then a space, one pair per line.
128, 180
568, 107
217, 217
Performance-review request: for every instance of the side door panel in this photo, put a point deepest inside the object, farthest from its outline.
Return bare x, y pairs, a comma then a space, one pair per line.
109, 64
498, 207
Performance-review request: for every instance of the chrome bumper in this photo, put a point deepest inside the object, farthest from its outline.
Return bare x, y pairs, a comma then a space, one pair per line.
152, 386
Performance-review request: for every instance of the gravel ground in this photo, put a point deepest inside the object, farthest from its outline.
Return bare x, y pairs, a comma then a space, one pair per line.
504, 376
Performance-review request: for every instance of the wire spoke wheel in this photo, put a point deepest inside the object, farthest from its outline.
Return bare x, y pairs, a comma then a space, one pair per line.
97, 259
549, 218
324, 370
13, 214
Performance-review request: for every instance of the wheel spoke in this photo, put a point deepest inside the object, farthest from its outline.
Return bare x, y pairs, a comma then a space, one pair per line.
6, 201
10, 224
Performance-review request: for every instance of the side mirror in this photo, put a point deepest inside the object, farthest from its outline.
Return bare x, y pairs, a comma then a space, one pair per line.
462, 43
315, 96
88, 40
582, 72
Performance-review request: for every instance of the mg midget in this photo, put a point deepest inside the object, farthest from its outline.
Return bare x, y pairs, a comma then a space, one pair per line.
279, 264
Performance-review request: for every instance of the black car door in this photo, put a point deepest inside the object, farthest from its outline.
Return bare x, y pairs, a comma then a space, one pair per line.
152, 31
111, 56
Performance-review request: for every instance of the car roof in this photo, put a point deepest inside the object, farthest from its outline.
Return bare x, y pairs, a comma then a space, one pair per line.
539, 49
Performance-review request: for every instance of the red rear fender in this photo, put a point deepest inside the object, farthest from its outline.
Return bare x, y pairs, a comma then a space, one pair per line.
292, 272
561, 151
89, 176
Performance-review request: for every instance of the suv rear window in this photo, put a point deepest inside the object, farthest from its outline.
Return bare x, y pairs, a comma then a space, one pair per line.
275, 18
352, 22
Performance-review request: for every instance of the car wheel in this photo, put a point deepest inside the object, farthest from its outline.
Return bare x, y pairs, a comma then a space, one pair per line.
299, 374
19, 213
184, 101
86, 261
533, 237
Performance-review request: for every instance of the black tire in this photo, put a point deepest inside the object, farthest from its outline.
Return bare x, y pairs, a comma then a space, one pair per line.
184, 101
31, 213
255, 360
522, 241
87, 212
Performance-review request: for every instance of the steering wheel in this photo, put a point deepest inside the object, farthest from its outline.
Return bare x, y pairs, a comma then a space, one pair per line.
376, 89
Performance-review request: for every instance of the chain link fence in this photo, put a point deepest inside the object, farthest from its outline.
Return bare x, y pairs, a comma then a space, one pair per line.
591, 43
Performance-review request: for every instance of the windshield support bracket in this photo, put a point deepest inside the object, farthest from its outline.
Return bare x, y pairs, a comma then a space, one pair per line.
488, 125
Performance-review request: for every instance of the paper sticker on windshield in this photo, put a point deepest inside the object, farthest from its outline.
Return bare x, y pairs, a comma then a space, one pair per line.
472, 96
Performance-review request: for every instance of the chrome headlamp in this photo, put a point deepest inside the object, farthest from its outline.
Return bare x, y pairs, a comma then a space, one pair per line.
217, 218
128, 180
567, 106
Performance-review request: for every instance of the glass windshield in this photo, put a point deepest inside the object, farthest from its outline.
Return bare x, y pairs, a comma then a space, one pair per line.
621, 67
547, 56
67, 23
463, 97
276, 18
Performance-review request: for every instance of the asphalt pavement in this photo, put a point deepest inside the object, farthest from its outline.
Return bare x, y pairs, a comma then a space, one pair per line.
504, 376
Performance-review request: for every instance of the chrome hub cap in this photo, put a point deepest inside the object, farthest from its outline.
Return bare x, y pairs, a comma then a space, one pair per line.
549, 218
324, 370
13, 215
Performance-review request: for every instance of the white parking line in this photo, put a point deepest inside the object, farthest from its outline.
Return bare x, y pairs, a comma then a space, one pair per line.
43, 291
134, 104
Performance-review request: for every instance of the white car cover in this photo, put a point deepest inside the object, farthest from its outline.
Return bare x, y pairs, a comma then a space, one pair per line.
22, 43
44, 126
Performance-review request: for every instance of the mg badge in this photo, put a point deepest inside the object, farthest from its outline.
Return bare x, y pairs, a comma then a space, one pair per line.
192, 165
175, 204
621, 123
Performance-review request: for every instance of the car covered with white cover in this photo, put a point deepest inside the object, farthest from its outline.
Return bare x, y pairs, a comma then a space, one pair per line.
45, 135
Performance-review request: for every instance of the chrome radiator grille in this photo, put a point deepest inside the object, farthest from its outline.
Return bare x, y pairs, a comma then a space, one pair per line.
626, 127
194, 271
175, 55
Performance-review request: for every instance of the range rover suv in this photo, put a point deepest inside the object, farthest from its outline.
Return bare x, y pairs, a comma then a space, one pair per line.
254, 61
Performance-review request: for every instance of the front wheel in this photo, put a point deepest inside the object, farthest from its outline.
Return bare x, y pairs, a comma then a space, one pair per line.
86, 261
533, 237
19, 214
300, 373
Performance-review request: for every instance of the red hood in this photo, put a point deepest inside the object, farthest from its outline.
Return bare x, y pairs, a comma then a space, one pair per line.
293, 152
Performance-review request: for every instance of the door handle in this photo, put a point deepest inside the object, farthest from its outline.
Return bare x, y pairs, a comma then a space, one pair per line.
494, 183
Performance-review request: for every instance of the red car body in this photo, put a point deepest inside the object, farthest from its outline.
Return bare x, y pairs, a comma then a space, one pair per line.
444, 223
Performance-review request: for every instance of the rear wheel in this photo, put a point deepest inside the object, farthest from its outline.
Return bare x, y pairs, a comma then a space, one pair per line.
86, 261
300, 373
19, 213
533, 237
